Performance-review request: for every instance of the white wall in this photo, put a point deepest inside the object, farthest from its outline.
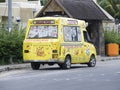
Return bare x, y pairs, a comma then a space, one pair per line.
18, 0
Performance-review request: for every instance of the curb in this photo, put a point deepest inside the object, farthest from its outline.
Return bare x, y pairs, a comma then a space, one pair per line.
27, 65
14, 67
99, 58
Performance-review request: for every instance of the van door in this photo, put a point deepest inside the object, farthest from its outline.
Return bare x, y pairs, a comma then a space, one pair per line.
86, 46
73, 38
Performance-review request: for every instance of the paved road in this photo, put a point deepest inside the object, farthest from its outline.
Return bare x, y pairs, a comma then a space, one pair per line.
105, 76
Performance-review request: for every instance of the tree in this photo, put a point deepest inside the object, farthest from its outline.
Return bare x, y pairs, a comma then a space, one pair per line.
2, 0
111, 6
43, 2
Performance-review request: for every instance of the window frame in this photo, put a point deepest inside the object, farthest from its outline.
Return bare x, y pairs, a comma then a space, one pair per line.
86, 36
42, 37
78, 34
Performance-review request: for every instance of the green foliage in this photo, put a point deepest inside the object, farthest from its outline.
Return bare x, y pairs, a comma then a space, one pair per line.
111, 6
2, 0
32, 0
11, 43
112, 37
43, 2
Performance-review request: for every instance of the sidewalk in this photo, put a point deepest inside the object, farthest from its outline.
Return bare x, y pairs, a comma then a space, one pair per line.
105, 58
27, 65
14, 66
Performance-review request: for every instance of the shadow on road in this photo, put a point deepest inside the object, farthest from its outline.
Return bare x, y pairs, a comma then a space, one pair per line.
58, 68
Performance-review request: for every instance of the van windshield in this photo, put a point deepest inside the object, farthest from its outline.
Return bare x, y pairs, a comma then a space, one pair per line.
49, 31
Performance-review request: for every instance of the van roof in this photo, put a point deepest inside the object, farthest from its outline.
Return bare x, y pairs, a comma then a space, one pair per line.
66, 18
80, 22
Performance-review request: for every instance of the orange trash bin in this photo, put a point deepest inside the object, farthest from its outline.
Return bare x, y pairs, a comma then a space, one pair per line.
112, 49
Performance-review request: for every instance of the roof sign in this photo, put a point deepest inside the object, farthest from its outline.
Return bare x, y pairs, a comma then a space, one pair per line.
72, 22
44, 22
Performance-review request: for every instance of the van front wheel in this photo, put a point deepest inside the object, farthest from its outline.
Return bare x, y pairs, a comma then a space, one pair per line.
92, 62
35, 65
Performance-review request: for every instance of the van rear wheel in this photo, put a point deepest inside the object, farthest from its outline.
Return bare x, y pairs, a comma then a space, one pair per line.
35, 65
66, 64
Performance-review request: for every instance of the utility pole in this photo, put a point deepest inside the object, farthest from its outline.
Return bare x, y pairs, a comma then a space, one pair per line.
9, 15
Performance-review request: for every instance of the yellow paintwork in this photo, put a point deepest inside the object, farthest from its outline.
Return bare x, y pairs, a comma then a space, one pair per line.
55, 50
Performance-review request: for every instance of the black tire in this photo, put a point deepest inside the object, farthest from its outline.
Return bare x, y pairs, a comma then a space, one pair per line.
66, 64
92, 62
35, 65
60, 65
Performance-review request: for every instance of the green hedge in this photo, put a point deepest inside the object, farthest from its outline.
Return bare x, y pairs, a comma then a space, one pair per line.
11, 45
112, 37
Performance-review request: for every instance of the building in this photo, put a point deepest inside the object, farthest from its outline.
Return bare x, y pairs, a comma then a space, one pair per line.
22, 10
87, 10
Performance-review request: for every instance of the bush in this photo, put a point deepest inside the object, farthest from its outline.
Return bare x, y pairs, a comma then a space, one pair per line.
112, 37
11, 44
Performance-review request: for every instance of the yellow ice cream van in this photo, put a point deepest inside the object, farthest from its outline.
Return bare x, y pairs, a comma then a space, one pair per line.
58, 40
